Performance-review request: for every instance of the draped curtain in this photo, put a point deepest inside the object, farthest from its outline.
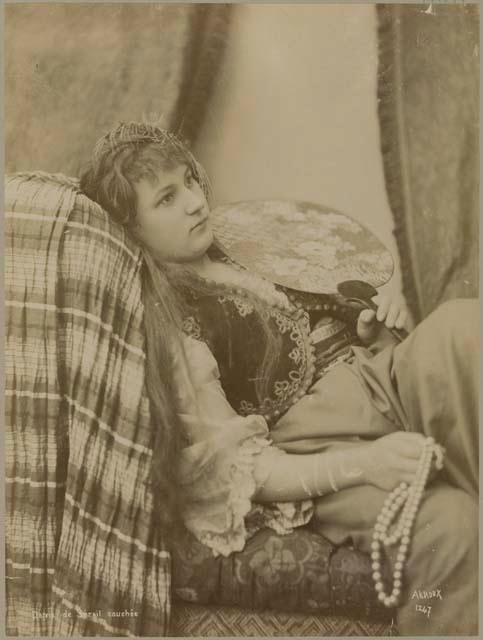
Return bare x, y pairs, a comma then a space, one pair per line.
428, 85
82, 534
74, 70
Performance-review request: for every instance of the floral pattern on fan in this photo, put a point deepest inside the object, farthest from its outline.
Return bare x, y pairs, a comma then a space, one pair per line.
301, 245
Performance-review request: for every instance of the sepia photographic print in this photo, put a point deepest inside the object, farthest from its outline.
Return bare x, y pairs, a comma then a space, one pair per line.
241, 319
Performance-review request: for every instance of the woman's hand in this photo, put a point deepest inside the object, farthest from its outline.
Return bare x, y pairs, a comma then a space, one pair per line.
393, 459
391, 313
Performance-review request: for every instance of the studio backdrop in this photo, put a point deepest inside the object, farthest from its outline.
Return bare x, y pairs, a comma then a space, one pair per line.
429, 118
74, 70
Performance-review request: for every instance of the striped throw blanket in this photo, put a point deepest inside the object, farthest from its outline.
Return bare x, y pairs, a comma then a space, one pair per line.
83, 553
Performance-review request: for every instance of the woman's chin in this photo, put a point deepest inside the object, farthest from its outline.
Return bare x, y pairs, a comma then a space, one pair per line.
200, 248
205, 239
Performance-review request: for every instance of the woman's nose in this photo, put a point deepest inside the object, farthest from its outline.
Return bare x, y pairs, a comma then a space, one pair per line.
194, 201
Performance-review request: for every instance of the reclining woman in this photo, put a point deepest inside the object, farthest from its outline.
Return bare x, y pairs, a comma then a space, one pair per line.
257, 437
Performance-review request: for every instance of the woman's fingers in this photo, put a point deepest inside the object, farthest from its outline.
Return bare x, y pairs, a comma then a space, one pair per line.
396, 458
366, 326
433, 472
392, 315
367, 315
408, 464
383, 308
408, 478
408, 436
408, 444
411, 452
402, 319
392, 312
413, 449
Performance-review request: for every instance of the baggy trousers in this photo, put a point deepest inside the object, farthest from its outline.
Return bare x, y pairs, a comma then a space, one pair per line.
427, 384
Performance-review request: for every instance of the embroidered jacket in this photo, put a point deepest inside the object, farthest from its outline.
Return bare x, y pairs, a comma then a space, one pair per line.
309, 344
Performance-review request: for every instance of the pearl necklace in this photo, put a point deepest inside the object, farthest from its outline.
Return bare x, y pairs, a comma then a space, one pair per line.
410, 497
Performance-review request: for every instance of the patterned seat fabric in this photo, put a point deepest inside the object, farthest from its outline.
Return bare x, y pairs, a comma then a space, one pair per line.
215, 622
299, 572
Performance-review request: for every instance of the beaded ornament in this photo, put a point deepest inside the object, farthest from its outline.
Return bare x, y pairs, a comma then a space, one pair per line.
410, 497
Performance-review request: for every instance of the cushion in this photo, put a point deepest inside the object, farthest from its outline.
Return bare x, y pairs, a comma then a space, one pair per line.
298, 572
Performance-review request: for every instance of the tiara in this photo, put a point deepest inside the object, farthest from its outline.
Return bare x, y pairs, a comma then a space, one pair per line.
124, 136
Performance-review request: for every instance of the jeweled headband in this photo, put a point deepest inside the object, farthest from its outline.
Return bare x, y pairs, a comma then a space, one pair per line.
140, 134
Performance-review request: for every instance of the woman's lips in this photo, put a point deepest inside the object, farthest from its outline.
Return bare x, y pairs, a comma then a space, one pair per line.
199, 224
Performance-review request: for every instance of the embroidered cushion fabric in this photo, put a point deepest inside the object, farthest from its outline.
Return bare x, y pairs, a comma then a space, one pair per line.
81, 540
298, 572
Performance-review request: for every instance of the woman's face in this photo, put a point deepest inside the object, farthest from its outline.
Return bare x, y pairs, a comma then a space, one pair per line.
172, 214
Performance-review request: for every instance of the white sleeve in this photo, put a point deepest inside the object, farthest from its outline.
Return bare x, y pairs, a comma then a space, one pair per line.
227, 460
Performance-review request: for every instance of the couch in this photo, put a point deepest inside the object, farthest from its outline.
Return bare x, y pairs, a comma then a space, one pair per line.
66, 531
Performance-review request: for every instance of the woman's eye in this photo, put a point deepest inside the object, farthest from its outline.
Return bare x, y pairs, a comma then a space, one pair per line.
189, 179
167, 199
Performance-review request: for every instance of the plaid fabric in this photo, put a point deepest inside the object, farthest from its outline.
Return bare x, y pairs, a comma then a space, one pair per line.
83, 553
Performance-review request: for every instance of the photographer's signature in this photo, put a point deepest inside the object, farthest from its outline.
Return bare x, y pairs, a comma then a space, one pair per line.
422, 594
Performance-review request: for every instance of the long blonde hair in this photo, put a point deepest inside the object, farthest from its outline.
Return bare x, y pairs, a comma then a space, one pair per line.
122, 157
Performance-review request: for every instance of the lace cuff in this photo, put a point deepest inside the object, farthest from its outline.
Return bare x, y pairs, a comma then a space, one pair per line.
222, 497
228, 460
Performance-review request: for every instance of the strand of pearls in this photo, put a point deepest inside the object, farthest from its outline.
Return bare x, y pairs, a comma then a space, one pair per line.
404, 501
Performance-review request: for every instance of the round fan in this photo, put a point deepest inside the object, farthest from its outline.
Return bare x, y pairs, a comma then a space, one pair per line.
301, 245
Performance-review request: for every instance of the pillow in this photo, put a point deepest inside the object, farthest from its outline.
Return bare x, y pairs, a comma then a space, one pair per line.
298, 572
